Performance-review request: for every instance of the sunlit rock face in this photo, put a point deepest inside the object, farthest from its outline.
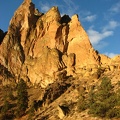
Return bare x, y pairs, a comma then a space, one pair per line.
38, 46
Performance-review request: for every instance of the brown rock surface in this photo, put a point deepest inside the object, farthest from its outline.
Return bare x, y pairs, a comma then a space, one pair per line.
104, 59
38, 46
13, 49
80, 45
2, 34
116, 59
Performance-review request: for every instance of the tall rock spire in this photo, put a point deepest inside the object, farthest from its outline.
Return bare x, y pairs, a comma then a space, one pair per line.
12, 53
36, 47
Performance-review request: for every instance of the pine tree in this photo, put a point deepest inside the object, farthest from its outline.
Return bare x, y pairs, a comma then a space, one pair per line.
104, 99
22, 98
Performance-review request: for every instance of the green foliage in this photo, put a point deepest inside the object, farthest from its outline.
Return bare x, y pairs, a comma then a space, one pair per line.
91, 96
22, 98
5, 107
103, 101
5, 110
106, 84
10, 95
82, 105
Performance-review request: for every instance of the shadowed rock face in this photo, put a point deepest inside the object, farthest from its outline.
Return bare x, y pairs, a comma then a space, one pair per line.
37, 46
2, 35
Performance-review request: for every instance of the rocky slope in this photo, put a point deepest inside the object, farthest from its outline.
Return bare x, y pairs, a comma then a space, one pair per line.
42, 48
52, 42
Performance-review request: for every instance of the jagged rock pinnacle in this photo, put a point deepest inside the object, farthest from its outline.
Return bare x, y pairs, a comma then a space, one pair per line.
28, 1
39, 47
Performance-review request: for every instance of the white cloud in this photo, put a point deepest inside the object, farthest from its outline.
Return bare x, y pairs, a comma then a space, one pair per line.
69, 8
102, 44
111, 55
111, 25
44, 7
115, 8
90, 18
69, 3
96, 36
107, 31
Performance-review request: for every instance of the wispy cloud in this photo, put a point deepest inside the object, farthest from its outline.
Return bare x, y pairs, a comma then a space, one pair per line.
89, 18
72, 8
96, 36
67, 8
101, 45
111, 25
111, 55
113, 12
44, 6
69, 3
115, 8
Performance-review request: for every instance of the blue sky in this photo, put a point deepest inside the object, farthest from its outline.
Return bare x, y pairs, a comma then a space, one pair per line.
100, 19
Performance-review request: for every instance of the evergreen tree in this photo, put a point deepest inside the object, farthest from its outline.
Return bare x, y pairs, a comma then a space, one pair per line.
118, 101
4, 110
22, 98
103, 100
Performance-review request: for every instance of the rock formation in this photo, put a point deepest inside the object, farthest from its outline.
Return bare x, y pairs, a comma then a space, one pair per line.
2, 35
38, 46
